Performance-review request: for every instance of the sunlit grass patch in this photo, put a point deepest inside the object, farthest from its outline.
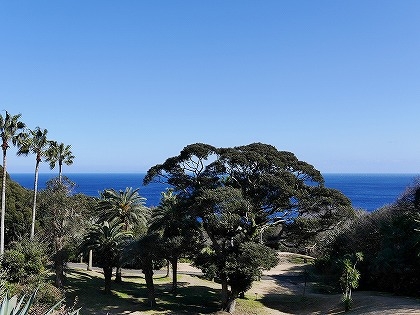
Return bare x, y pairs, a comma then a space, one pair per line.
250, 306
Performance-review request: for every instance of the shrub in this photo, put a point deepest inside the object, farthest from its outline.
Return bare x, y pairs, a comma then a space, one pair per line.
389, 241
24, 261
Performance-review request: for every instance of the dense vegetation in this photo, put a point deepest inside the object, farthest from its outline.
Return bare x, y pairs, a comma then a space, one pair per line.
389, 238
228, 211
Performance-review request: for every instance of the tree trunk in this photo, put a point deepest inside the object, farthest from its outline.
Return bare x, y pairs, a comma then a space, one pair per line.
60, 170
89, 266
118, 276
148, 276
167, 268
108, 276
231, 304
231, 301
34, 204
3, 201
225, 291
59, 273
174, 263
59, 262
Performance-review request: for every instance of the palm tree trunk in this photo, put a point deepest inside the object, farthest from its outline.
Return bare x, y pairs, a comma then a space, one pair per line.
118, 276
108, 276
148, 276
90, 260
60, 166
3, 201
34, 205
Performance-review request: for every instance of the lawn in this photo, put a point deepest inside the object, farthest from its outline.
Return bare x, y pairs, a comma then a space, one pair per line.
195, 295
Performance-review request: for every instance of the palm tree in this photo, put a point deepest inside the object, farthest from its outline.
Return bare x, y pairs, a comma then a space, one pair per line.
179, 231
127, 206
106, 239
11, 129
61, 153
35, 143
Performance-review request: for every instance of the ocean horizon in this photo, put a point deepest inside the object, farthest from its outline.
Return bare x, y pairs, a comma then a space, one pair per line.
368, 191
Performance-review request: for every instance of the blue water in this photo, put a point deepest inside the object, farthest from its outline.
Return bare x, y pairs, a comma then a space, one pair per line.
366, 191
370, 191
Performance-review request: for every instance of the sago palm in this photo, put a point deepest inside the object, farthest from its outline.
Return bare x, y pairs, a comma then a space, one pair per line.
59, 153
12, 130
36, 142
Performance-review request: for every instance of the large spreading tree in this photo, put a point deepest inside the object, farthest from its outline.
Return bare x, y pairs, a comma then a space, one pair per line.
236, 192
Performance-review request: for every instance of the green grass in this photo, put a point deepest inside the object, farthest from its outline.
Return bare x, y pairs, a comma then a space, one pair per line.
131, 295
250, 306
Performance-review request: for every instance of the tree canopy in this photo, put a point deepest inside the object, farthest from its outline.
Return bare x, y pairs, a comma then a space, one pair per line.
275, 185
237, 192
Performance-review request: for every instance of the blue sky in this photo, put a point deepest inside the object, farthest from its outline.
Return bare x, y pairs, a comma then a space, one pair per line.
130, 83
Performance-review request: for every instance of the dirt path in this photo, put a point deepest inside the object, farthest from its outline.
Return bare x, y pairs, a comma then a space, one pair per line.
283, 291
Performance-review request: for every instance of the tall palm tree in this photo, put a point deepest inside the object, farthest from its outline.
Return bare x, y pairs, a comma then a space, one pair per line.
36, 142
127, 206
12, 130
61, 153
106, 239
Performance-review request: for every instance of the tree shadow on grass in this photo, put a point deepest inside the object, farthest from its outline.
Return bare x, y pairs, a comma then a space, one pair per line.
131, 296
190, 299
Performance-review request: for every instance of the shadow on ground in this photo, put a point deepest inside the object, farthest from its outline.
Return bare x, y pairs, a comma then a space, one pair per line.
131, 296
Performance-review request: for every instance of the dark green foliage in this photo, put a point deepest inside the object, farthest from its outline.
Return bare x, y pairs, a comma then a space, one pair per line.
180, 233
247, 263
126, 205
18, 214
390, 244
64, 218
274, 183
106, 239
146, 253
24, 260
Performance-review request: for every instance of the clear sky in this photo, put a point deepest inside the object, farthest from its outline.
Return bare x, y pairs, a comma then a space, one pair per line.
130, 83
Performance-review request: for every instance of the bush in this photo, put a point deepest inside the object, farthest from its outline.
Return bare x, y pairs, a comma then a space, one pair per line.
24, 261
389, 241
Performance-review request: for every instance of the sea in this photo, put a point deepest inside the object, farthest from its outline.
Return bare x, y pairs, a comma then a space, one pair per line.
366, 191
